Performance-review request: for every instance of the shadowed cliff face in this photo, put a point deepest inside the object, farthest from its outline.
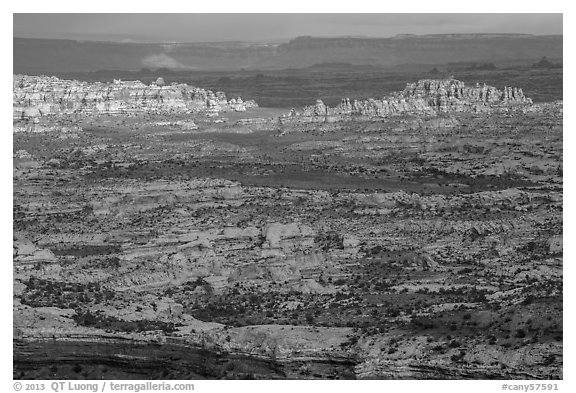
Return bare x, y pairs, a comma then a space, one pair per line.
125, 360
43, 56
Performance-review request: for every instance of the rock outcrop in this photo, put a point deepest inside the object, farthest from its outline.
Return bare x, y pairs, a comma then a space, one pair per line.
38, 96
288, 236
25, 252
425, 97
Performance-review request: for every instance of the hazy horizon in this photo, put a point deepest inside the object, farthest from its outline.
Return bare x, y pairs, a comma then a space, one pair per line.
272, 27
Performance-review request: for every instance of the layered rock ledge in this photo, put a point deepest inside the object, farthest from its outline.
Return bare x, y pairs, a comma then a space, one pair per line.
38, 96
425, 97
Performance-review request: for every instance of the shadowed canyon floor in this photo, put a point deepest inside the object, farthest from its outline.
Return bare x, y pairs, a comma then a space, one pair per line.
258, 244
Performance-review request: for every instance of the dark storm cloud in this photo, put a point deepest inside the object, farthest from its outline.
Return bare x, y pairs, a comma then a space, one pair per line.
220, 27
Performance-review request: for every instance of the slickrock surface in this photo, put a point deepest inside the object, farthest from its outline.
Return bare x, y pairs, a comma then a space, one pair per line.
44, 96
424, 97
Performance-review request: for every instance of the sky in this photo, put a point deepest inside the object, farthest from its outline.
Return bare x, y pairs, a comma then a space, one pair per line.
271, 27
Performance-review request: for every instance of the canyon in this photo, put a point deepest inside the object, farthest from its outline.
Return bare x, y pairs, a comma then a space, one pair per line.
167, 229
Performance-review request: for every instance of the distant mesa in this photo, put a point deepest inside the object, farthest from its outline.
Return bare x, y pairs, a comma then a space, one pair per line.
481, 67
545, 63
462, 36
43, 56
341, 66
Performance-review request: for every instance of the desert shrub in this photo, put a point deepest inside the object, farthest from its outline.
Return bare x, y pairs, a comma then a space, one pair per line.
329, 240
309, 318
454, 344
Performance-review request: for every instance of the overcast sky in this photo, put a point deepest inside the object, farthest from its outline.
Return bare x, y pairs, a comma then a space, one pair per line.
270, 27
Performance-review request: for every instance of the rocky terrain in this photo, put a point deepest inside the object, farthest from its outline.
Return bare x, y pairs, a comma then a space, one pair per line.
422, 242
426, 97
36, 97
